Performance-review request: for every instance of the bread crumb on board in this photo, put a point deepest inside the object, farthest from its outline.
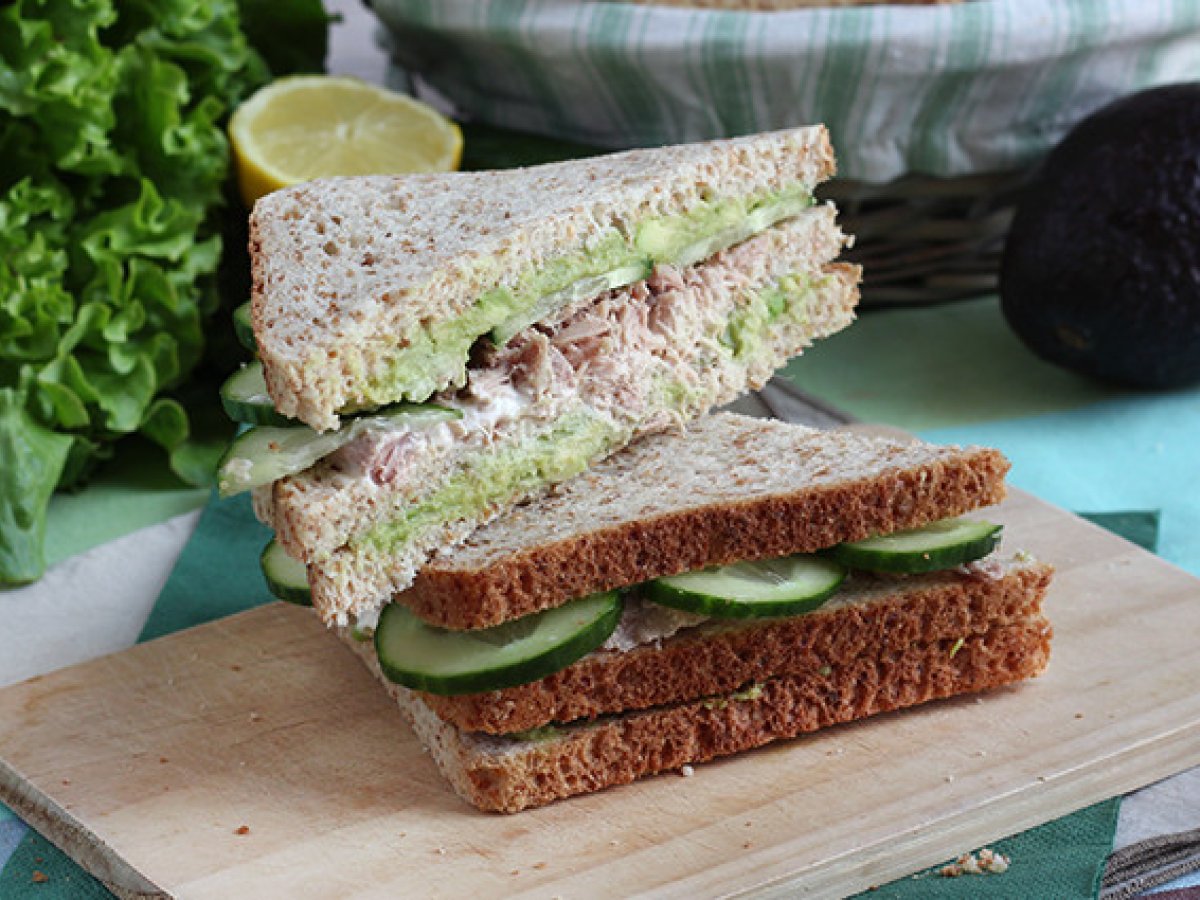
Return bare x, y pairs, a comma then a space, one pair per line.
687, 771
986, 861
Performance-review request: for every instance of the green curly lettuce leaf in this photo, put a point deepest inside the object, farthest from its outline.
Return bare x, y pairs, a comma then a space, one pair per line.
115, 166
31, 458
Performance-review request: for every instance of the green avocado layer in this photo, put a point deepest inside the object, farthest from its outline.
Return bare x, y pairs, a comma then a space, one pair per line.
436, 355
488, 479
785, 302
579, 437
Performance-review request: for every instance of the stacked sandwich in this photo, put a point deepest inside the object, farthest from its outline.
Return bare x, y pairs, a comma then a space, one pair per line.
463, 355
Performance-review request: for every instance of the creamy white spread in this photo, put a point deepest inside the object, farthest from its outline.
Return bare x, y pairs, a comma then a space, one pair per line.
385, 454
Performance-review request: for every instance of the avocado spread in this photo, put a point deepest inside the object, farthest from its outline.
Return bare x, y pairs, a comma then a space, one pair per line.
489, 479
437, 354
786, 301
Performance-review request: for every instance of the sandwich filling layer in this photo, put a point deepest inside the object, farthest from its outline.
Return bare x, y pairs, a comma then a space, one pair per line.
610, 382
438, 354
668, 659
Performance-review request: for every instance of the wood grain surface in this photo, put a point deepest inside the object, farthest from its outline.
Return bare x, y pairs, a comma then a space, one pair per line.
253, 757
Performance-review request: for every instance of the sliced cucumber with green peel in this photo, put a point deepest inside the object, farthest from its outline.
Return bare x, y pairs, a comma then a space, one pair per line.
755, 222
265, 453
287, 577
787, 586
421, 656
243, 327
245, 398
940, 545
583, 289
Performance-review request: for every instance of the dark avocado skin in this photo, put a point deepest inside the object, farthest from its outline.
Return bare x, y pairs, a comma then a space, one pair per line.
1101, 269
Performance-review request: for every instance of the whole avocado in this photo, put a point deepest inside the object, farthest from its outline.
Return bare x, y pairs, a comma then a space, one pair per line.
1101, 268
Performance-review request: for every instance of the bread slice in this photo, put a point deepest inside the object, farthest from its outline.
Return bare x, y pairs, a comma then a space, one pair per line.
730, 488
983, 634
352, 274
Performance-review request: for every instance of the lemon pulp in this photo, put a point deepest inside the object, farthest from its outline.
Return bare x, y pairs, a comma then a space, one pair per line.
312, 126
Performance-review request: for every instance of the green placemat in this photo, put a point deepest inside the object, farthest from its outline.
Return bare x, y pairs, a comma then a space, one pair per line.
217, 574
1063, 859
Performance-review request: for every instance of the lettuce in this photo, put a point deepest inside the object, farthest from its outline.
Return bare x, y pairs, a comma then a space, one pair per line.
115, 165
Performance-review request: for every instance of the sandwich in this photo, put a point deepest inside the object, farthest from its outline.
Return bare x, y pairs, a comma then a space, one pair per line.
700, 594
434, 349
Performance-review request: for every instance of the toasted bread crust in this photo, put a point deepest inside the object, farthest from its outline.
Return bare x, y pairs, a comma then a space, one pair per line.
682, 540
705, 662
624, 748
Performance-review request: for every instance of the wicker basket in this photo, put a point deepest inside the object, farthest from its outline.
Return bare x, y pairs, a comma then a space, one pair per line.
927, 240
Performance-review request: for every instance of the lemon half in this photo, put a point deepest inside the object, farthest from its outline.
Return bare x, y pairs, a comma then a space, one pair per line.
310, 126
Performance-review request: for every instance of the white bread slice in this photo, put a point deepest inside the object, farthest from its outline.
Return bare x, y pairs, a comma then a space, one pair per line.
730, 488
978, 634
348, 272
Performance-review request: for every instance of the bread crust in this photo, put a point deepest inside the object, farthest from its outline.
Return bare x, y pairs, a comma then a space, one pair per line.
509, 777
718, 658
801, 519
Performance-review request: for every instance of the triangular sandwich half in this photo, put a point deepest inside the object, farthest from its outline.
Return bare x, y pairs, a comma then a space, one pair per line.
870, 593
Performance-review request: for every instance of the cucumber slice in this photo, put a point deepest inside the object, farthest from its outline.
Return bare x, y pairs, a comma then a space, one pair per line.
940, 545
755, 222
425, 658
584, 289
243, 327
245, 398
264, 453
787, 586
287, 577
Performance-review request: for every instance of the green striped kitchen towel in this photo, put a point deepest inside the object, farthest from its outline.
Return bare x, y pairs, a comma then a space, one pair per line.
982, 86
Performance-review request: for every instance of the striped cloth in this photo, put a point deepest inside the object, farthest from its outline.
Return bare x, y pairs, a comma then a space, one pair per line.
982, 86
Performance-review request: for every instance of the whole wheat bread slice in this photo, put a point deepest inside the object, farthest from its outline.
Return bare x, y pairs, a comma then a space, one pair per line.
730, 488
956, 644
348, 273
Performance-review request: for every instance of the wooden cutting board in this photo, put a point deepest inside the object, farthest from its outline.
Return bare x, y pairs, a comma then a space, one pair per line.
146, 765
